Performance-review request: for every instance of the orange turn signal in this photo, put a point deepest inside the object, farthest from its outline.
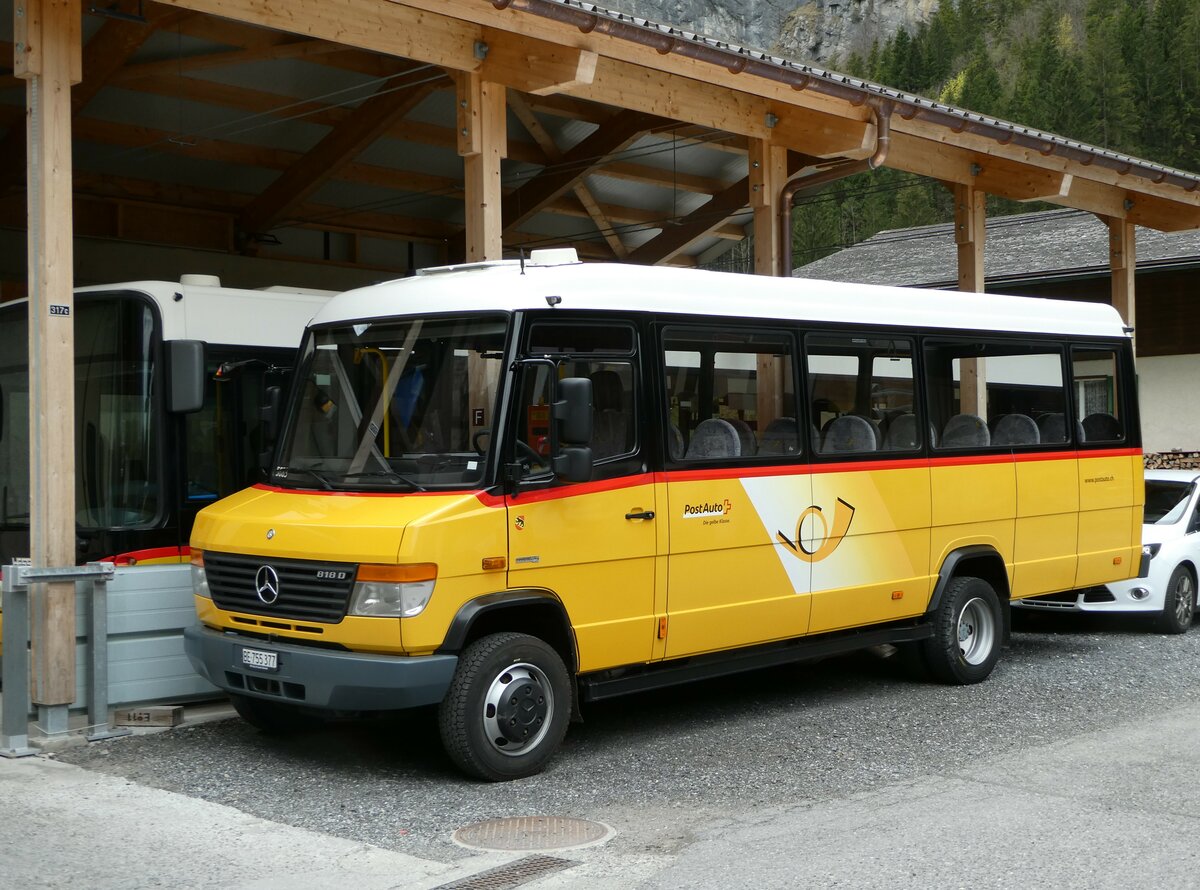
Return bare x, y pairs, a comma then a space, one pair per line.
197, 558
491, 563
897, 594
417, 571
1117, 560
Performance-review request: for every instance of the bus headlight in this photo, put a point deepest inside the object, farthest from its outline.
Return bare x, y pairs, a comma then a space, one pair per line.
393, 591
199, 578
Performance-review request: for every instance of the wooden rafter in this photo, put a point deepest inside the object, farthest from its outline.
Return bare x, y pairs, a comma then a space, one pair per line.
103, 56
366, 124
621, 131
675, 238
520, 108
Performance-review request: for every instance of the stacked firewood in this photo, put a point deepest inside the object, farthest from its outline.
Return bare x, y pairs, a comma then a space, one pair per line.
1173, 460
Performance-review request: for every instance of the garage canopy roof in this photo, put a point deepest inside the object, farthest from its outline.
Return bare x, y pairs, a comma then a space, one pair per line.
260, 127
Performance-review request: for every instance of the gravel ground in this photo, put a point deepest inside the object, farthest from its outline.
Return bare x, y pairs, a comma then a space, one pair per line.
663, 767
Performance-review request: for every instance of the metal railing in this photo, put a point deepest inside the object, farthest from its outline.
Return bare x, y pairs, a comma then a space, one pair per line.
15, 662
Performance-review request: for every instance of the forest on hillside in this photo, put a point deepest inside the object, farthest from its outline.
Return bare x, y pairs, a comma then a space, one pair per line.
1120, 74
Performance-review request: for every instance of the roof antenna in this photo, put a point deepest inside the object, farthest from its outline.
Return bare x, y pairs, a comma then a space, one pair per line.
522, 260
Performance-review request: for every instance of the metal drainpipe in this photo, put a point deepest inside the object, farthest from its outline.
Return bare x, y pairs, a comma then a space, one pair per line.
882, 112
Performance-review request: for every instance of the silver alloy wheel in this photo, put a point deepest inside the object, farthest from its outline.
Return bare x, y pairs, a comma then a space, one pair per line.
517, 709
1184, 595
976, 631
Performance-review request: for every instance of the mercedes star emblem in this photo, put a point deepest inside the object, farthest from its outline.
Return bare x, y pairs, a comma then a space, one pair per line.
266, 584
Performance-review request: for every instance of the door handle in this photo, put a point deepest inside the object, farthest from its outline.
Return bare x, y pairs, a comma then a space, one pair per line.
642, 514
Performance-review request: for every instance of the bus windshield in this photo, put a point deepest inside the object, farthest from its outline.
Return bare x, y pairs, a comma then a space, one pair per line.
401, 404
116, 431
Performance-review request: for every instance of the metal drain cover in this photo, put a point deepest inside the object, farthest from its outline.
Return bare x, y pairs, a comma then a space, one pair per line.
518, 833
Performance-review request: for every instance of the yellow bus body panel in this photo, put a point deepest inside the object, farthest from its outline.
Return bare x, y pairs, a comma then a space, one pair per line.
600, 564
730, 580
881, 570
1045, 550
1111, 496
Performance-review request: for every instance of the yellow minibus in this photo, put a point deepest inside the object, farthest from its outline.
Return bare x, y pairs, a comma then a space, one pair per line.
511, 488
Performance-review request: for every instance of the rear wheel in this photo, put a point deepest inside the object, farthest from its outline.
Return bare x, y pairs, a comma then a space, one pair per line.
507, 708
271, 717
967, 631
1179, 602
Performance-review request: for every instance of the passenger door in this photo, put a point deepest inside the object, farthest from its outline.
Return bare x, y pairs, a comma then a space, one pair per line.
592, 544
736, 489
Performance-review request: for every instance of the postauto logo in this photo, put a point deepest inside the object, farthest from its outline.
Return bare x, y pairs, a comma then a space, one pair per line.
706, 509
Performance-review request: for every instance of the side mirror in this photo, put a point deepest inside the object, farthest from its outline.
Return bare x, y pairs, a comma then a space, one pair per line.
573, 411
572, 458
185, 376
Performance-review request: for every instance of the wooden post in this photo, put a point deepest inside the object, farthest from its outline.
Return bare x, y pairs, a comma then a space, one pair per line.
1122, 260
47, 55
970, 228
482, 142
768, 173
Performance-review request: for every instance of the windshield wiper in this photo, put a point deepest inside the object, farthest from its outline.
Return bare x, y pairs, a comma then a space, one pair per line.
391, 475
287, 475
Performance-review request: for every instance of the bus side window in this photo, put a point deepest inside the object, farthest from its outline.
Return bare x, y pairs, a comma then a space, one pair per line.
1003, 395
1098, 415
731, 394
861, 394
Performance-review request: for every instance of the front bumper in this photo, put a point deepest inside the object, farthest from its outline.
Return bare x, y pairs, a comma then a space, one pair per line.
322, 679
1122, 596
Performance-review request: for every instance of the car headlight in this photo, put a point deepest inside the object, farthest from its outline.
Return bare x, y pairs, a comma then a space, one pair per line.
199, 577
393, 591
1150, 550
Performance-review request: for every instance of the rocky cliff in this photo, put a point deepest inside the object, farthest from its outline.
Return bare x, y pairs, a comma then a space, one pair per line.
817, 31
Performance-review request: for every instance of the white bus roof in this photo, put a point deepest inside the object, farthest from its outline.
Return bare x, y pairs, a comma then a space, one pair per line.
506, 285
274, 316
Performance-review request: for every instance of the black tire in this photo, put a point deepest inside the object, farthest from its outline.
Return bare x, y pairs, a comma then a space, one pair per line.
507, 708
968, 630
1179, 603
272, 718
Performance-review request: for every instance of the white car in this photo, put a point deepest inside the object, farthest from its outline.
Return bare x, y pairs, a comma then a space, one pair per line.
1171, 539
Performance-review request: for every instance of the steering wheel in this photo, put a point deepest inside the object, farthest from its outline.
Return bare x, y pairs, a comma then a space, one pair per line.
526, 453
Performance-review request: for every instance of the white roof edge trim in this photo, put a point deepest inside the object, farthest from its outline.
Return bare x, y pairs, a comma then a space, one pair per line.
635, 289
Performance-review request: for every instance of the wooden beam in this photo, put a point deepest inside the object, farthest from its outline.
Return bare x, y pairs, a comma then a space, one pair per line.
293, 49
366, 124
392, 28
1122, 261
674, 239
105, 53
768, 173
970, 229
48, 57
527, 117
585, 157
543, 68
482, 143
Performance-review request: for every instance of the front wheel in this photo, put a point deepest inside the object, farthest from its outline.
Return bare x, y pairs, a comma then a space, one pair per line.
1179, 602
966, 633
507, 708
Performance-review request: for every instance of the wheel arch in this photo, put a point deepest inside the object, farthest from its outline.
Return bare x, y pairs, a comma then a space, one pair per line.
532, 611
977, 560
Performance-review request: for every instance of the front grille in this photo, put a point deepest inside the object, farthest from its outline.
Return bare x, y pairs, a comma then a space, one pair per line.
302, 595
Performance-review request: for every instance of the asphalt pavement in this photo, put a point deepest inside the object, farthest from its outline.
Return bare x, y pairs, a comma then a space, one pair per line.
1075, 765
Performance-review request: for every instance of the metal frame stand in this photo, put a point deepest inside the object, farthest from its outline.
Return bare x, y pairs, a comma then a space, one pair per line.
14, 719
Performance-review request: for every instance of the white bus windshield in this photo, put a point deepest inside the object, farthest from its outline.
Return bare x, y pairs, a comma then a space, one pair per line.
395, 404
116, 427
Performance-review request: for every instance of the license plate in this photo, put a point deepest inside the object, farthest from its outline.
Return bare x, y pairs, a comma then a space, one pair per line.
259, 660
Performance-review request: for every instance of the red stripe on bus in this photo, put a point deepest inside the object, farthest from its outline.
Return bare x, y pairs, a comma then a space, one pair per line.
135, 557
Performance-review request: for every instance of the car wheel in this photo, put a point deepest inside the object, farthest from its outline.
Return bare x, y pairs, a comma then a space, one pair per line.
507, 708
1179, 603
271, 717
967, 632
